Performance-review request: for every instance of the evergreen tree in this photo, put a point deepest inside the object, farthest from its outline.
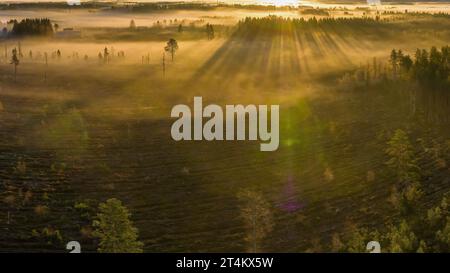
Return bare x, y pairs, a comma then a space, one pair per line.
402, 239
105, 55
257, 216
15, 61
171, 47
115, 230
132, 25
394, 61
402, 157
209, 31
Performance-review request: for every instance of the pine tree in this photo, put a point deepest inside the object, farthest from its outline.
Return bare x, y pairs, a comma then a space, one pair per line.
402, 157
115, 230
132, 25
402, 239
257, 216
105, 55
171, 47
15, 61
394, 61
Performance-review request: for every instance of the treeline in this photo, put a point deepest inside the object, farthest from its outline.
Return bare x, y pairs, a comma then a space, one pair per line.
422, 14
52, 5
429, 68
140, 7
279, 25
143, 7
32, 27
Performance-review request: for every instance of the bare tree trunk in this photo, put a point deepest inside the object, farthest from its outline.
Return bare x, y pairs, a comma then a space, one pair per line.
46, 66
164, 64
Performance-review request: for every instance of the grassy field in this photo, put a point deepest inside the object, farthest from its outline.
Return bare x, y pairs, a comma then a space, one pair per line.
77, 130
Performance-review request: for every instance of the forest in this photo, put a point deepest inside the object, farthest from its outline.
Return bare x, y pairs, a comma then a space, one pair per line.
32, 27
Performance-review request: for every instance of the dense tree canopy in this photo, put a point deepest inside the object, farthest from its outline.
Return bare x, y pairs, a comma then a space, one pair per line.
32, 27
430, 68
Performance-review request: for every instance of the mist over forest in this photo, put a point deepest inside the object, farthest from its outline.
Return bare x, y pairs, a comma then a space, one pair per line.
86, 152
